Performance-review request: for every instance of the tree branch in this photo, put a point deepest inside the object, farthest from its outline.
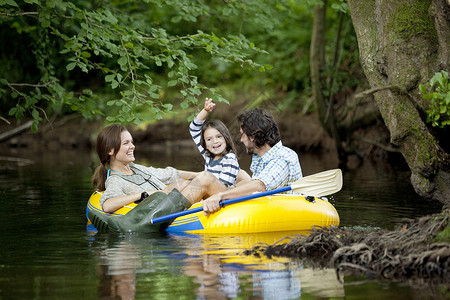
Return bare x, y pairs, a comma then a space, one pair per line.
394, 88
377, 144
6, 135
20, 14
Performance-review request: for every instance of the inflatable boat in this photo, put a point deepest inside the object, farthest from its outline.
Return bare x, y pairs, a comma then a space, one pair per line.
274, 213
267, 211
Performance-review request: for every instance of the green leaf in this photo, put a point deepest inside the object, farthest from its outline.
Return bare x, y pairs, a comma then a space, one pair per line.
35, 114
85, 54
34, 126
170, 62
172, 83
168, 106
109, 78
184, 105
422, 89
8, 2
12, 111
45, 23
175, 19
154, 95
122, 61
71, 66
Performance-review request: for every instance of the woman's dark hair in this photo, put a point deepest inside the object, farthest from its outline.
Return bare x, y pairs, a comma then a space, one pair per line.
108, 138
261, 126
222, 128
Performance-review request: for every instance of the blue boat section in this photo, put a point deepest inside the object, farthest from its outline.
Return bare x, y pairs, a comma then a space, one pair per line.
90, 229
186, 224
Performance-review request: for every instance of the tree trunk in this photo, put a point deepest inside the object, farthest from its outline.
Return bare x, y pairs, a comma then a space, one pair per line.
317, 64
402, 44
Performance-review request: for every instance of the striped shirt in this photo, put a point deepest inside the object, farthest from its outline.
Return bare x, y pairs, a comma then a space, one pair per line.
277, 168
225, 168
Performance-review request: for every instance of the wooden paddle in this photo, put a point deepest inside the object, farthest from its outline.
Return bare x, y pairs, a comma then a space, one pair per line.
317, 185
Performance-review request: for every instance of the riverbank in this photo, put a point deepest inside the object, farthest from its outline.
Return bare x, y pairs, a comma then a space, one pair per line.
417, 251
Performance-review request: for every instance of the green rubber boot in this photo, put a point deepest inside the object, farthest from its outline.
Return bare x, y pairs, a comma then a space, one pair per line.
138, 220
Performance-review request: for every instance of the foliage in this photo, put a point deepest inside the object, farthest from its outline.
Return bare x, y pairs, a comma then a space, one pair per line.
118, 42
135, 60
438, 92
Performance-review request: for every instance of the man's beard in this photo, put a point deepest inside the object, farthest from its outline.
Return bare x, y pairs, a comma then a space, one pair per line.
250, 149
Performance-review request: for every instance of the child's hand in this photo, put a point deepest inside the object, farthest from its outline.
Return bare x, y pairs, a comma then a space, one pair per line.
209, 105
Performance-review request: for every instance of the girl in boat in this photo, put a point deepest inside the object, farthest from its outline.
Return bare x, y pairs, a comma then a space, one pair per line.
214, 141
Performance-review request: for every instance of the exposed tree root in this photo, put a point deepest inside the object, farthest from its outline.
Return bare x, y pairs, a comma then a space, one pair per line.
408, 252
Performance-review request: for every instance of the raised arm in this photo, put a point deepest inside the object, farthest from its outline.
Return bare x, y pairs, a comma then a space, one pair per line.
195, 127
207, 109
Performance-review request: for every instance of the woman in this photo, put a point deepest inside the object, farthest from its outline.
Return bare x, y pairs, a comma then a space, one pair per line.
126, 182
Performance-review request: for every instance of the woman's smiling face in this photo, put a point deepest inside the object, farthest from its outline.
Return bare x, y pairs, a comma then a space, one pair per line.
126, 152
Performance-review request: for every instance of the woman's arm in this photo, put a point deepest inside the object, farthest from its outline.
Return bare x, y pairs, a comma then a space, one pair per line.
114, 203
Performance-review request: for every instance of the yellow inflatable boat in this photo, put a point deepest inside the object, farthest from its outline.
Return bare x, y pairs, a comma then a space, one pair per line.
267, 211
272, 213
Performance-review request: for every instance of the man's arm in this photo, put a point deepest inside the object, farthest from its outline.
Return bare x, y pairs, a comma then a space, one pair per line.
211, 204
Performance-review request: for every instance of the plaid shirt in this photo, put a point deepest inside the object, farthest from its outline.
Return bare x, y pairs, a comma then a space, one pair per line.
277, 168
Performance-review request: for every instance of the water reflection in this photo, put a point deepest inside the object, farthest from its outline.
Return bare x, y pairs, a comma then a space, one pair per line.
213, 282
117, 271
223, 270
215, 265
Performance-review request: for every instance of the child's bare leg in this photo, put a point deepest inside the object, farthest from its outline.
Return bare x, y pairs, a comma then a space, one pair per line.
202, 186
179, 184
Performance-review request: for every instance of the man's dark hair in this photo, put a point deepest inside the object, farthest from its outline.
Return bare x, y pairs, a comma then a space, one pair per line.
260, 125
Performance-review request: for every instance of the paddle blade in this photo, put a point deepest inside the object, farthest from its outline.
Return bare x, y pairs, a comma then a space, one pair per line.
319, 184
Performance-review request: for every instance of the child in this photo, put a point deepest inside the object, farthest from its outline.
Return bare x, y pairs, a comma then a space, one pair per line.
216, 145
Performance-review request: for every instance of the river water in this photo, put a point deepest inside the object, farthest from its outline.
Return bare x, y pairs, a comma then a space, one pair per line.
47, 253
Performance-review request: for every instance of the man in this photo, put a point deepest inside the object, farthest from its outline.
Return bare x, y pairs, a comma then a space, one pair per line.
273, 165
